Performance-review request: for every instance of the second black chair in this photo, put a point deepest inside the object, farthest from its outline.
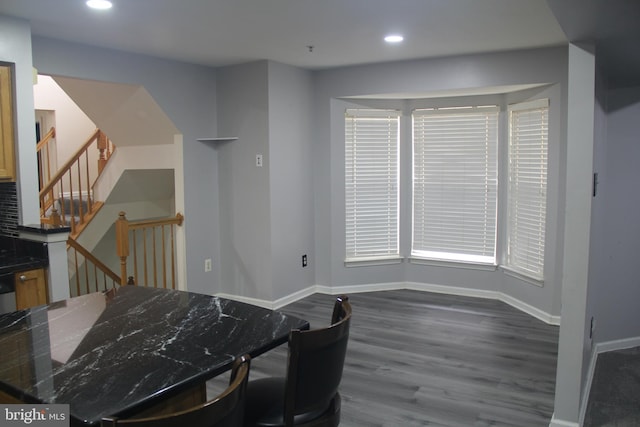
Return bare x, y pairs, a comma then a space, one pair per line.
308, 396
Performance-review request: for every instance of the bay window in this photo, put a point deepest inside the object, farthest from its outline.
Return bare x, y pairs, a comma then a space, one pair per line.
454, 186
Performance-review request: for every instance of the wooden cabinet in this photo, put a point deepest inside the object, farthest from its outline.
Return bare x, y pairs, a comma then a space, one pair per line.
31, 288
7, 154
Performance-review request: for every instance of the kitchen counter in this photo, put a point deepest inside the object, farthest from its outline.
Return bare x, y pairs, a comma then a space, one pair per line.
21, 254
10, 264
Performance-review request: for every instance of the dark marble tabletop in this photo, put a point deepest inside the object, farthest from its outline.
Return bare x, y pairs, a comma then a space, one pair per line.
118, 353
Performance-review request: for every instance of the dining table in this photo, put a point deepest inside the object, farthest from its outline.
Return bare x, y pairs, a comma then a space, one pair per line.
130, 350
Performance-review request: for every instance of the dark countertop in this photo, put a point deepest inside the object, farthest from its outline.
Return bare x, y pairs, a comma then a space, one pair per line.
118, 353
21, 254
16, 264
45, 228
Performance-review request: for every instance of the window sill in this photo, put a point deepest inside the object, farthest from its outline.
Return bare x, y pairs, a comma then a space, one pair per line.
362, 262
509, 272
452, 264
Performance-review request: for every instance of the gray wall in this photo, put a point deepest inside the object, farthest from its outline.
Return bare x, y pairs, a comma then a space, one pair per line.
266, 212
459, 75
292, 214
615, 285
187, 95
243, 112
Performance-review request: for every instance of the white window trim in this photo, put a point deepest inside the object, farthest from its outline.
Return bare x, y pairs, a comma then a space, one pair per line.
518, 275
361, 262
453, 264
425, 253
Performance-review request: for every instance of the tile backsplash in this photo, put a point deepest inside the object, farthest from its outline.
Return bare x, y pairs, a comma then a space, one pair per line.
8, 209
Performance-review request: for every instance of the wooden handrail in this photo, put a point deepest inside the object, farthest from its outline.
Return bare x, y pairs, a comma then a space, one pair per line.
44, 167
155, 222
92, 280
165, 255
88, 255
46, 138
65, 168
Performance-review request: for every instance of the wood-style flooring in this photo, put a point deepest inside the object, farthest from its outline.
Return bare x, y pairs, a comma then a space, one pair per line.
426, 359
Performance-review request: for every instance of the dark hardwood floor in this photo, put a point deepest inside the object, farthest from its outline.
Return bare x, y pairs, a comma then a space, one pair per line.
425, 359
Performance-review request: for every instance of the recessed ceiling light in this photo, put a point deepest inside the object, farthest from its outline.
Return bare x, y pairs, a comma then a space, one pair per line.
393, 38
99, 4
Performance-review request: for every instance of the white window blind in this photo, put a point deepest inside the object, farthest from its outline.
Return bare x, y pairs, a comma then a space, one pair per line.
455, 183
371, 182
527, 188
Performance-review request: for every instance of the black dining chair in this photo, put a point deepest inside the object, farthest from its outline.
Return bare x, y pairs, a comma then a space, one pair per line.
308, 396
225, 410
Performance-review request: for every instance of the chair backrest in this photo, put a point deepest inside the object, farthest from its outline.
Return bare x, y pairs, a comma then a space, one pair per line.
226, 410
341, 308
316, 361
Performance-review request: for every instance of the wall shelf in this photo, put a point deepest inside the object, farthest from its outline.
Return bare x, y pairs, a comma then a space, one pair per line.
218, 139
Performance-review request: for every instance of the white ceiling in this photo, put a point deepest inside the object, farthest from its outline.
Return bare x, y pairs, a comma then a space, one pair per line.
342, 32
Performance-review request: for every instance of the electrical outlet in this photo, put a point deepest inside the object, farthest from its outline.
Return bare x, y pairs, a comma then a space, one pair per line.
304, 260
207, 264
259, 160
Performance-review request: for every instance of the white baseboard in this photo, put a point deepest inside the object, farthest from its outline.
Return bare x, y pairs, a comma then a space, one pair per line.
480, 293
529, 309
391, 286
623, 344
281, 302
355, 289
273, 305
599, 348
562, 423
253, 301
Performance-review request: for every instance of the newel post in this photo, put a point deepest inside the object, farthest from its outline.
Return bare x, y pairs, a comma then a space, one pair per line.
55, 218
103, 145
122, 245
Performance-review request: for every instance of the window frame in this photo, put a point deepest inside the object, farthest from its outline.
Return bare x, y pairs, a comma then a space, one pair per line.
454, 217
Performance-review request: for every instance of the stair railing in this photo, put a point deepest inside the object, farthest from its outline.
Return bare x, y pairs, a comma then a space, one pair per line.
147, 248
87, 272
66, 199
45, 151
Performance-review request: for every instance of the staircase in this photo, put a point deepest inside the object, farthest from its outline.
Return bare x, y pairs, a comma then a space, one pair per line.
67, 198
